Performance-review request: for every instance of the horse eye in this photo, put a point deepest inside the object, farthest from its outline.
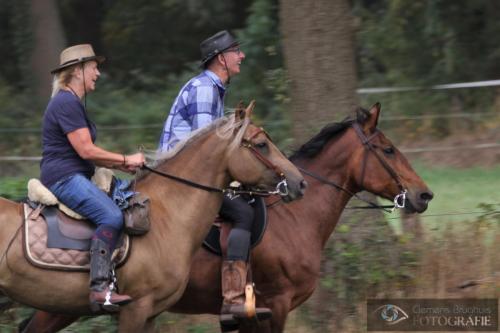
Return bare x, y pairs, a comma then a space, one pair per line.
389, 150
261, 145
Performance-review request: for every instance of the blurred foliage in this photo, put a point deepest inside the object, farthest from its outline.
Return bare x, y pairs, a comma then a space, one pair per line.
13, 188
263, 77
146, 41
423, 43
16, 43
428, 42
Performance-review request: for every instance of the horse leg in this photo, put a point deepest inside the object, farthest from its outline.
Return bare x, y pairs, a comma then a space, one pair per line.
150, 325
45, 322
280, 307
135, 316
280, 313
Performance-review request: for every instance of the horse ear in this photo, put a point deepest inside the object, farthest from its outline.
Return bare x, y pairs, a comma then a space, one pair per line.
374, 114
239, 111
249, 110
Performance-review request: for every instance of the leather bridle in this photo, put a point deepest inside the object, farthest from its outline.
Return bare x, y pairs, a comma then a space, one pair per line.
399, 200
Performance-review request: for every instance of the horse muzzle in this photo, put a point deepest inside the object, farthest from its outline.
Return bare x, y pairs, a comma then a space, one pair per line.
295, 191
418, 201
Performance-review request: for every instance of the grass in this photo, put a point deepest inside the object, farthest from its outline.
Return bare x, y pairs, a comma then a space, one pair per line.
458, 194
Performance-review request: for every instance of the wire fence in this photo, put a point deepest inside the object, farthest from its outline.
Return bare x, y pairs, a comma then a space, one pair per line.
37, 130
489, 145
461, 85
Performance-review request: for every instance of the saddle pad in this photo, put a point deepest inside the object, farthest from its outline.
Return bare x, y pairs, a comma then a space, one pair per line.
39, 255
212, 241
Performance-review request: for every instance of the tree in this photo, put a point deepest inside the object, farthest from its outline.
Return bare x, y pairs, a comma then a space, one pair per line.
48, 42
319, 51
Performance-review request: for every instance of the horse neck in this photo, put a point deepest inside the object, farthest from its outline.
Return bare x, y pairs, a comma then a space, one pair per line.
323, 204
185, 211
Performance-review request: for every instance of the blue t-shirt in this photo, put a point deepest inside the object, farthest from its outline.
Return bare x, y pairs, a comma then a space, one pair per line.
64, 114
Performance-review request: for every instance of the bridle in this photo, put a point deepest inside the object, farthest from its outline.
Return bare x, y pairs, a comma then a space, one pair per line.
399, 200
281, 187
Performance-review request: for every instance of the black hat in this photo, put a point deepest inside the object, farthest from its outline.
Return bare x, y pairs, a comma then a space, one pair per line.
216, 44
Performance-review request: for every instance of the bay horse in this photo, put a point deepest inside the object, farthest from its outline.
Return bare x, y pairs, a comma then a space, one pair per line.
340, 162
157, 270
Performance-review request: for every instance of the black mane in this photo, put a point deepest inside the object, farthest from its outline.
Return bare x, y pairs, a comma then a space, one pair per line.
314, 146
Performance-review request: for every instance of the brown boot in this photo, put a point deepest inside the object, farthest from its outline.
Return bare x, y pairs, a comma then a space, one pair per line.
234, 274
101, 298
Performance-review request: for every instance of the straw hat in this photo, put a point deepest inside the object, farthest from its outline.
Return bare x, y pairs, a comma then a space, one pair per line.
75, 55
216, 44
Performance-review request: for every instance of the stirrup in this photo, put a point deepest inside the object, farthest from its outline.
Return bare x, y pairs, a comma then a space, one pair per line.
230, 322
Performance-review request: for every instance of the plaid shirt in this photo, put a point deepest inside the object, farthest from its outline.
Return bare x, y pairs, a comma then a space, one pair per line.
199, 102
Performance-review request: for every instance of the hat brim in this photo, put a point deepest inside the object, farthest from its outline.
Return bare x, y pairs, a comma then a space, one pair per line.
99, 59
211, 56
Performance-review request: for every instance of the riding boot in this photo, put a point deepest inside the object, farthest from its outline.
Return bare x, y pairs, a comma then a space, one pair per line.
234, 274
101, 297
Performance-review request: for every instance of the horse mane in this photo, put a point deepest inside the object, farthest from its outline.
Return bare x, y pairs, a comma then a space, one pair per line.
316, 144
224, 128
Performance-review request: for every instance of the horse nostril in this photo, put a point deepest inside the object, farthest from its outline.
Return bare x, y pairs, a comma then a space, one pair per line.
303, 186
426, 196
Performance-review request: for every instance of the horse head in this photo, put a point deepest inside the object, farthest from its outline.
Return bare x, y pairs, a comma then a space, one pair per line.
258, 162
379, 167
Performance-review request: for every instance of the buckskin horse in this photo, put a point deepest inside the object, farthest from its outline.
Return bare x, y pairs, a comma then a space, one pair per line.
341, 160
158, 267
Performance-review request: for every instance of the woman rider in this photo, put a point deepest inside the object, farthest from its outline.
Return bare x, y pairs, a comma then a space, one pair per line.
68, 161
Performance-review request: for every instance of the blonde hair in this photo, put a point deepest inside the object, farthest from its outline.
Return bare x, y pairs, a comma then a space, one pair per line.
61, 79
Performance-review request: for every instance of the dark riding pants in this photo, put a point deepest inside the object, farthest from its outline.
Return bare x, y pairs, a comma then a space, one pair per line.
241, 215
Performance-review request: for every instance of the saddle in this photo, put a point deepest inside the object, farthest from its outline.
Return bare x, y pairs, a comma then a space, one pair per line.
216, 240
53, 240
57, 238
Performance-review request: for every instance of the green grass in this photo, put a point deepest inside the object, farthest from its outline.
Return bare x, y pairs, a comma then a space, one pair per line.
458, 193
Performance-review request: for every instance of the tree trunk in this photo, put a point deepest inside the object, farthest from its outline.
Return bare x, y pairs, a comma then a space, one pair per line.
48, 41
319, 51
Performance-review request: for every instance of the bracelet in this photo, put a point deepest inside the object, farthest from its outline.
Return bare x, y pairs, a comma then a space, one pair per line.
124, 160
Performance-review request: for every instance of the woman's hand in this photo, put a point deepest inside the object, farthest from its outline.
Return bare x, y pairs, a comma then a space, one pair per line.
134, 162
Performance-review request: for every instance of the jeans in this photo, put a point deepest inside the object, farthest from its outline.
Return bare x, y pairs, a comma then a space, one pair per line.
84, 197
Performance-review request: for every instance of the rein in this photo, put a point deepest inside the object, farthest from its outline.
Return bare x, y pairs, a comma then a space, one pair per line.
386, 208
281, 187
231, 191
